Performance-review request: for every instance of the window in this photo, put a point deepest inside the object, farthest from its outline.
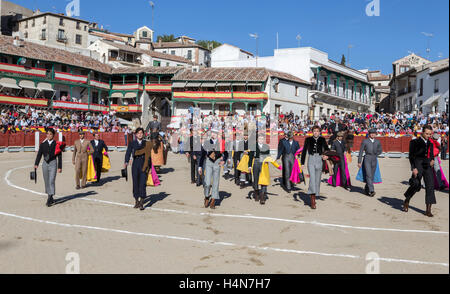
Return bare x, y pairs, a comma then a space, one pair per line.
44, 34
61, 35
78, 39
61, 21
421, 87
45, 20
156, 63
144, 34
172, 52
189, 54
26, 24
277, 88
436, 86
404, 68
33, 23
165, 51
297, 91
85, 28
130, 58
277, 110
25, 35
78, 25
113, 54
167, 64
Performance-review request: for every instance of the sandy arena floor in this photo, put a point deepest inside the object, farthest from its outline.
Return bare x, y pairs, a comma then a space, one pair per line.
175, 234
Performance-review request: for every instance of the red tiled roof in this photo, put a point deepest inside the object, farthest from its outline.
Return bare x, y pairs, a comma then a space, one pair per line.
224, 74
45, 53
235, 74
287, 77
106, 36
153, 54
163, 45
149, 69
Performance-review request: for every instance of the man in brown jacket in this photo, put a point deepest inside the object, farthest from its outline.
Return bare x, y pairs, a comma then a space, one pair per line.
81, 151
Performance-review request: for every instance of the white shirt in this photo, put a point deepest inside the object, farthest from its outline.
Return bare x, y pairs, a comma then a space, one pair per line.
50, 142
372, 140
96, 142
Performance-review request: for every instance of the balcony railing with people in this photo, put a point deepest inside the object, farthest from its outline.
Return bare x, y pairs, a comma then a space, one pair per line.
342, 92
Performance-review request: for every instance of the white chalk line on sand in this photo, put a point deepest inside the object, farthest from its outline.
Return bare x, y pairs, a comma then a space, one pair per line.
216, 243
248, 216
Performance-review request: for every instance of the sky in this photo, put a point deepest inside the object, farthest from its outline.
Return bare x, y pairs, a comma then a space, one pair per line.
328, 25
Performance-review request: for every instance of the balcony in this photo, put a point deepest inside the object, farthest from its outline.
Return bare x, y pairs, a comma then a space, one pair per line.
406, 90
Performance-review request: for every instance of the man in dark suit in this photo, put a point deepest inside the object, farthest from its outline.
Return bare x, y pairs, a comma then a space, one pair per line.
194, 154
286, 151
139, 176
52, 164
335, 128
155, 124
98, 146
339, 146
371, 148
421, 158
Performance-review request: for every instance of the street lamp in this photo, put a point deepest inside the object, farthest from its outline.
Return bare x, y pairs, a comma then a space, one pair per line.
298, 39
153, 8
350, 46
255, 36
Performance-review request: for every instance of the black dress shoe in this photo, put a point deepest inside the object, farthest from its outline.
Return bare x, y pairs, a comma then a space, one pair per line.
136, 205
141, 204
50, 201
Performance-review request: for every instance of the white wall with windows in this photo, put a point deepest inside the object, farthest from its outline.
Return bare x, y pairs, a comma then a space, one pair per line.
432, 91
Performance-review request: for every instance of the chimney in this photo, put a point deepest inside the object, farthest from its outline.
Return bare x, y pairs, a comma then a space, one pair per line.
160, 42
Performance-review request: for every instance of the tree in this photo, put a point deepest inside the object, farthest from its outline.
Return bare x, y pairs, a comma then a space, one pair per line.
343, 59
166, 38
208, 44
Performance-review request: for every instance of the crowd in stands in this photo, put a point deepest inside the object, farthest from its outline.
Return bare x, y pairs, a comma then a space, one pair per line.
359, 123
14, 119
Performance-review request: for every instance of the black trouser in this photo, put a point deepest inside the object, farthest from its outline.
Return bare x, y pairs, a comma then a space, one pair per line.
444, 152
416, 185
194, 168
340, 165
288, 164
139, 177
237, 173
98, 163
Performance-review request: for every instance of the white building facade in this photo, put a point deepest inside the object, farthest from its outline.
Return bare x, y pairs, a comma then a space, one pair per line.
336, 89
432, 89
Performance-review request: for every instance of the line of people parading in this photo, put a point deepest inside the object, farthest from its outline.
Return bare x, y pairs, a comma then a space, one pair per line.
91, 158
249, 166
252, 167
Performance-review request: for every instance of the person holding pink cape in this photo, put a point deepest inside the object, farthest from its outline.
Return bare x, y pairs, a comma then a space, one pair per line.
297, 175
341, 175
